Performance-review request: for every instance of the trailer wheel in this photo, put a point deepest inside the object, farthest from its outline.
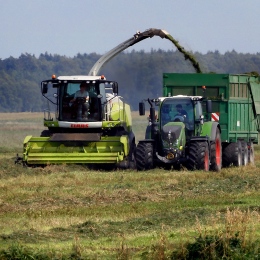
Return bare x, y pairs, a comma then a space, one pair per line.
144, 156
244, 153
251, 153
198, 156
216, 153
232, 155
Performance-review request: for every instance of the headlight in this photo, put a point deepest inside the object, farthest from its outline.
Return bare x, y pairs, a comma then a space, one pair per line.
170, 156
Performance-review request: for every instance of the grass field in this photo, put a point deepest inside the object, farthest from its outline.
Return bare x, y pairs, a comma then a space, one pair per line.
71, 212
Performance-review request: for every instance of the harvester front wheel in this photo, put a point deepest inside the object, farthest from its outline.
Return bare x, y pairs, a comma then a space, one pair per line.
144, 156
198, 156
45, 133
131, 156
216, 153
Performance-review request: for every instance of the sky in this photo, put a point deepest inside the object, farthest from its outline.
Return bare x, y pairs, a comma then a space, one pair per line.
69, 27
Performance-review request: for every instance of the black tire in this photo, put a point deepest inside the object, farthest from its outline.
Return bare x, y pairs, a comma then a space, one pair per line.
45, 133
144, 156
244, 153
131, 156
216, 153
198, 158
232, 155
251, 153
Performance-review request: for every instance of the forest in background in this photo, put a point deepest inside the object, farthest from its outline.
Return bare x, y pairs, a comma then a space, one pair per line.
138, 73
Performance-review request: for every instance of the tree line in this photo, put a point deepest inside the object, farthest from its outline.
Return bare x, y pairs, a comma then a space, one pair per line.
138, 73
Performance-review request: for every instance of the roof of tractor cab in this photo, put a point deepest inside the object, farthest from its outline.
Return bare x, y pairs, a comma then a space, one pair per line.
80, 77
181, 97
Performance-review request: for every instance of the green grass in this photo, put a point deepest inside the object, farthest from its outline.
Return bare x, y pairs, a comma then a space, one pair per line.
15, 126
71, 212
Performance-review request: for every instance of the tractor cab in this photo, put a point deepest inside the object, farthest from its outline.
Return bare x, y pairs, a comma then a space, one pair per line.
187, 110
177, 110
179, 119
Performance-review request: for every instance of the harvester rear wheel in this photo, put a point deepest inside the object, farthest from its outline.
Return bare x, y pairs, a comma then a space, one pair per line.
232, 155
216, 153
198, 156
131, 156
244, 153
144, 156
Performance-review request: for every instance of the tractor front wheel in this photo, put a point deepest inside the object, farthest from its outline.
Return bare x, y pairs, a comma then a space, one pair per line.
144, 156
198, 156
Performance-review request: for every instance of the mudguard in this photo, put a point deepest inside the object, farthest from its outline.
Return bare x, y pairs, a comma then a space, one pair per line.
209, 129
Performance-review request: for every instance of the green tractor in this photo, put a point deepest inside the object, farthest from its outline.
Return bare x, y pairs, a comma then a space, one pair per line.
181, 135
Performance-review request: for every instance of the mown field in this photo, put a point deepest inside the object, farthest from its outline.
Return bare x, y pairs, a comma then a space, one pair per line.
71, 212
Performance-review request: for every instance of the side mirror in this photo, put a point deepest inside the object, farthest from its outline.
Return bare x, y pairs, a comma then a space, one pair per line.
115, 88
209, 106
44, 88
141, 108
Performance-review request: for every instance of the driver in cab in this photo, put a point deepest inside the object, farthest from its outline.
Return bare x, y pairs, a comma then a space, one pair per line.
81, 98
182, 116
181, 111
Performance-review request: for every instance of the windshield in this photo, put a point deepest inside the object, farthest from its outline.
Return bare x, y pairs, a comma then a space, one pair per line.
85, 100
177, 110
78, 101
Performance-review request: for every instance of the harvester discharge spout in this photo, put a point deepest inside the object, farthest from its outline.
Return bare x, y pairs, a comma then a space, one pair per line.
140, 36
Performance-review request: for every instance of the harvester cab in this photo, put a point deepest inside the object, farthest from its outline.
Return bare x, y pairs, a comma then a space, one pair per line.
93, 105
177, 134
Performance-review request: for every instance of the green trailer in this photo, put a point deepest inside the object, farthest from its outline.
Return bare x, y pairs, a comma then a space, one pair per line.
220, 128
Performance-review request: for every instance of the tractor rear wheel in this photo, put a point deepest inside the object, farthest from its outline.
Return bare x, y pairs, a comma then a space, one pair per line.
232, 155
198, 156
144, 156
216, 153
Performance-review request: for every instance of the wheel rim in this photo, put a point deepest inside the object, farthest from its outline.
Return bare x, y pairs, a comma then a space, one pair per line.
239, 159
251, 154
206, 161
246, 155
218, 152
